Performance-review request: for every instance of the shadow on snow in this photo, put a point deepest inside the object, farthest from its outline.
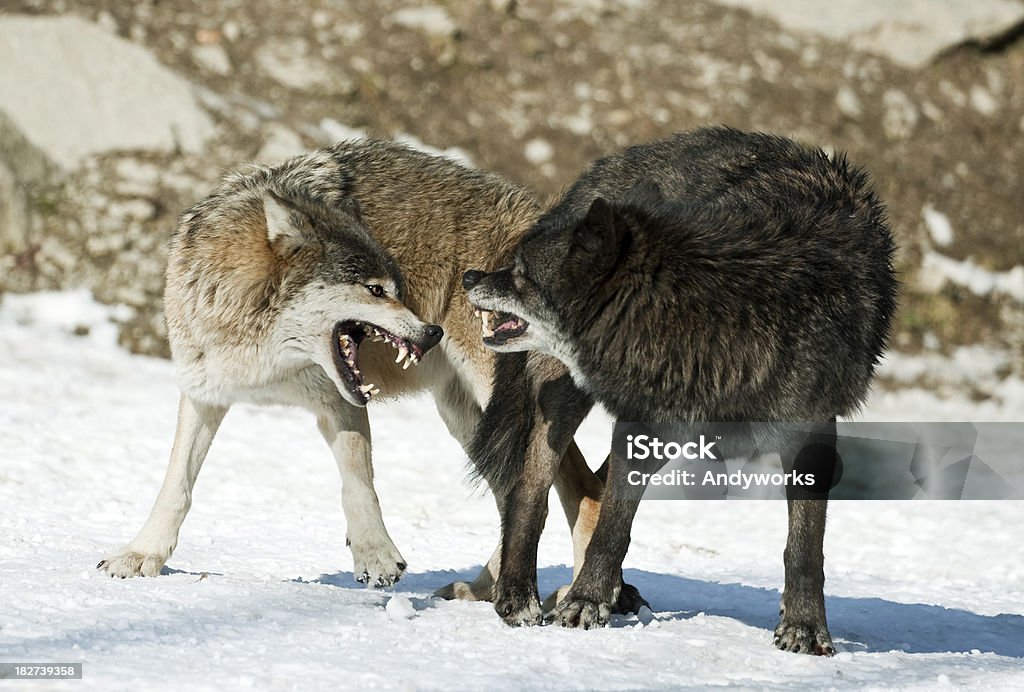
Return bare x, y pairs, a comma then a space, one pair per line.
857, 624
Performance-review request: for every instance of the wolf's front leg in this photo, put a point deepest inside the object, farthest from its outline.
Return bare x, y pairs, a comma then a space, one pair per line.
596, 590
556, 408
515, 593
802, 626
149, 550
377, 561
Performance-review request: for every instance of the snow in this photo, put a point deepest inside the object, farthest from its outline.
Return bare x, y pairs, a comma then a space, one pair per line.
260, 594
938, 225
937, 268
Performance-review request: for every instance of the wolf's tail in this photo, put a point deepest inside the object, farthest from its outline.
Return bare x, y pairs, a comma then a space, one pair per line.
498, 447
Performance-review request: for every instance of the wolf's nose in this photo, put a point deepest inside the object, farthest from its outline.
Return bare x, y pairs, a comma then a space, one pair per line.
471, 278
434, 334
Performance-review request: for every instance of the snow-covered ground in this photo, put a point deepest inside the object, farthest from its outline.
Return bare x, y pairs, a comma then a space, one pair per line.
260, 594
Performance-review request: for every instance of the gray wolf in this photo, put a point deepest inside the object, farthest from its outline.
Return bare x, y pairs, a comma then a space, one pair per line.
303, 284
714, 276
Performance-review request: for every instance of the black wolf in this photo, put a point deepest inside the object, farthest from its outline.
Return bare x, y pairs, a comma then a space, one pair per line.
715, 275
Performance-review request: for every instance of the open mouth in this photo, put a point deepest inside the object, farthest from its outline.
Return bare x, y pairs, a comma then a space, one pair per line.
498, 327
345, 341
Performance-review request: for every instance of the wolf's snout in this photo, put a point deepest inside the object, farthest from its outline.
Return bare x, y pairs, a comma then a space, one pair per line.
433, 336
471, 278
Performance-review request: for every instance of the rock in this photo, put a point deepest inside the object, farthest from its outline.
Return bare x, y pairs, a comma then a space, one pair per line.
430, 19
212, 57
901, 115
291, 63
910, 33
982, 100
538, 151
101, 92
280, 144
334, 131
848, 103
24, 174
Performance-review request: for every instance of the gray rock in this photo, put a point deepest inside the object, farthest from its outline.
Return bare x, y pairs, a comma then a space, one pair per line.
293, 63
213, 57
101, 92
280, 144
430, 19
908, 32
24, 173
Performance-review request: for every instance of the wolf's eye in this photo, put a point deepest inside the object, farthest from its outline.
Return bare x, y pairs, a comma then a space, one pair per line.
376, 290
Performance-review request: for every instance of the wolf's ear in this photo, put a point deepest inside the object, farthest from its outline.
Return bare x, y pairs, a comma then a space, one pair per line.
597, 241
288, 229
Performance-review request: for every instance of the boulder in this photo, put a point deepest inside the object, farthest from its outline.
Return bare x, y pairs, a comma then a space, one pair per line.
102, 93
909, 32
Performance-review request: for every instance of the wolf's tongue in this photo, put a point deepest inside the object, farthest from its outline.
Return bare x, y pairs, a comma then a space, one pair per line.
509, 324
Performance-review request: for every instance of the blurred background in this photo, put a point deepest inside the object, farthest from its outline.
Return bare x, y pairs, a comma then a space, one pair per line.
116, 116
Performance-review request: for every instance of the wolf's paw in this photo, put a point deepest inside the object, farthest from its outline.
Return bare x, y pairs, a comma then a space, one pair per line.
464, 591
377, 564
804, 638
583, 613
629, 601
518, 607
129, 563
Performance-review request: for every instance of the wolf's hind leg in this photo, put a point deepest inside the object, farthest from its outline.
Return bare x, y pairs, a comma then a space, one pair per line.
377, 561
481, 588
149, 550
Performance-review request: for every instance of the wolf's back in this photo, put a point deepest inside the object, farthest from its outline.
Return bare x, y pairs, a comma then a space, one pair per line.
767, 276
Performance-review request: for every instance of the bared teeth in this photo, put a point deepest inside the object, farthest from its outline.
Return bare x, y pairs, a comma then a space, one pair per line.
364, 388
402, 353
485, 327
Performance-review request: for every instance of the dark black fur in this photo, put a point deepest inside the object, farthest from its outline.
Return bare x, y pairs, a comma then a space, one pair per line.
712, 276
508, 422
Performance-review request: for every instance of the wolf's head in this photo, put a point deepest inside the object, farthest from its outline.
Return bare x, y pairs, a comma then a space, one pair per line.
565, 279
338, 287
